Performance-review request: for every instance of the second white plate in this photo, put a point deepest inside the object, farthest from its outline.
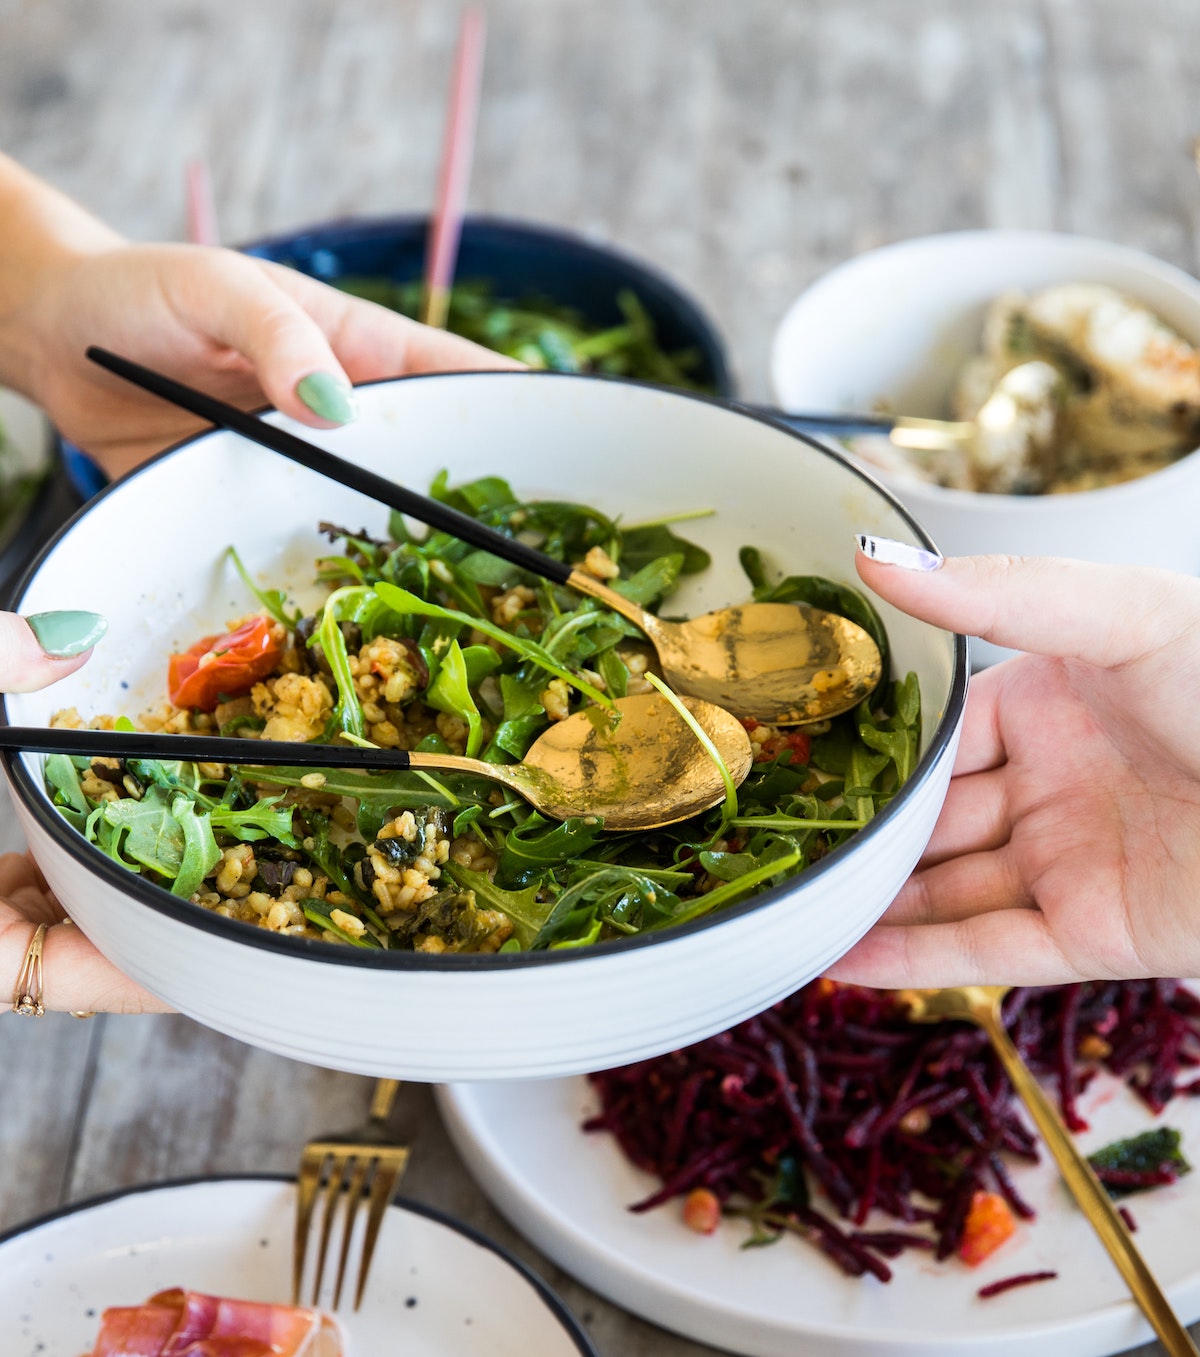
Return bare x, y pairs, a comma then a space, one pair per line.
568, 1191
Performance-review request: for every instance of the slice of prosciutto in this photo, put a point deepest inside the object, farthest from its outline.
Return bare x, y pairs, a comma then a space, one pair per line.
181, 1323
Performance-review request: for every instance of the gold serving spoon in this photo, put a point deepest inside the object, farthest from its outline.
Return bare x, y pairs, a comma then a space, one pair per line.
783, 663
639, 766
980, 1004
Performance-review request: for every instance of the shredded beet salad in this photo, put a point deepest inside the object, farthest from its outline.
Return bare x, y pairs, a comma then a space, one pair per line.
832, 1104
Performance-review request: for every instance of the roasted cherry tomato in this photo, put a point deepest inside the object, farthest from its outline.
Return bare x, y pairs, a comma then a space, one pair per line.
218, 667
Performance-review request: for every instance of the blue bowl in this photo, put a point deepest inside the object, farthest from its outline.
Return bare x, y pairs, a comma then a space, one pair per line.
519, 260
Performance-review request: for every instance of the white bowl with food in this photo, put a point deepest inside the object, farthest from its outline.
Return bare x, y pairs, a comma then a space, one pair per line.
402, 992
1087, 348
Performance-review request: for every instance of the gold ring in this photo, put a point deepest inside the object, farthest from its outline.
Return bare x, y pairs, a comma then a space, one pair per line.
27, 992
79, 1013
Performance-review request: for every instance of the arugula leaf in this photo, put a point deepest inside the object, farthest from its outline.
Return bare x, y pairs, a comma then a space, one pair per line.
464, 819
481, 567
266, 819
751, 561
200, 851
318, 911
347, 715
326, 856
727, 866
732, 890
148, 832
477, 498
403, 602
450, 692
480, 661
641, 545
513, 738
615, 896
60, 772
273, 600
615, 673
533, 848
654, 581
522, 906
333, 568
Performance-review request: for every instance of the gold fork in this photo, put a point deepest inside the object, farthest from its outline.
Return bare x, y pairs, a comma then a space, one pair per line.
343, 1170
980, 1004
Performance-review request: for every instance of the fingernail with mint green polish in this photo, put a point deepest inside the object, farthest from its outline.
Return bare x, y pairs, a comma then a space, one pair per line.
63, 635
887, 551
329, 396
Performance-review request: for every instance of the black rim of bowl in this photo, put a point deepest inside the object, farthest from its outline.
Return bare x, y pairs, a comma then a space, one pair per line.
553, 1302
38, 804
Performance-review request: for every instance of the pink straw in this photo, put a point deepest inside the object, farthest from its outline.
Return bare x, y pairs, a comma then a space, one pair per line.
446, 225
201, 214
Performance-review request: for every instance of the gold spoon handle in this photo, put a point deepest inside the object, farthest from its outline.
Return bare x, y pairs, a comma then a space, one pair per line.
583, 583
1088, 1191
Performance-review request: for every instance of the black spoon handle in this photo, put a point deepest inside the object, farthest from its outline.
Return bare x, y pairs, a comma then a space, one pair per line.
122, 744
420, 507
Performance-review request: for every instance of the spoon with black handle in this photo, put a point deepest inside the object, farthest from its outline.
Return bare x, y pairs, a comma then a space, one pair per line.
783, 663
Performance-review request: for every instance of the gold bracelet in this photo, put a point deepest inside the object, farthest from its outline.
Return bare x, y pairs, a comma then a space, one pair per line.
27, 992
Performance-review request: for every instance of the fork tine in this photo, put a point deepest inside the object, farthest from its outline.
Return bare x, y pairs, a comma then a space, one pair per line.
354, 1194
383, 1189
307, 1182
337, 1173
366, 1164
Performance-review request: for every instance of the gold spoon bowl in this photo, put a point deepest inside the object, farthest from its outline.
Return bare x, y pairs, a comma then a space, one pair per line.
782, 663
640, 767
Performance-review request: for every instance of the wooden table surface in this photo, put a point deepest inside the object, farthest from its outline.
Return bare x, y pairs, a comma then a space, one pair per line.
745, 148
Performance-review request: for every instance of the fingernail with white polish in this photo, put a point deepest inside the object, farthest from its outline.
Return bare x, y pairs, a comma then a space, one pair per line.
63, 635
887, 551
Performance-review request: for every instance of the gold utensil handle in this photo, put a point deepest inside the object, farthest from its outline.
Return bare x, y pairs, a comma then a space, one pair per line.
383, 1098
1093, 1200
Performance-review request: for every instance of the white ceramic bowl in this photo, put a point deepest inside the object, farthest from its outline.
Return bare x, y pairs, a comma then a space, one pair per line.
893, 327
148, 552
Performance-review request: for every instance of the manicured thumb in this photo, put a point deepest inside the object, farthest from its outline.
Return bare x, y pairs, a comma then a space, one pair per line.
38, 650
1103, 614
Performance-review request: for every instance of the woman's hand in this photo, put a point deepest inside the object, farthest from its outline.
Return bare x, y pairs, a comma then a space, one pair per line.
77, 979
34, 653
1069, 844
244, 329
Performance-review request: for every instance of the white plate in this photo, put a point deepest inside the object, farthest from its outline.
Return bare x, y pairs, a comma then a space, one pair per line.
567, 1192
436, 1289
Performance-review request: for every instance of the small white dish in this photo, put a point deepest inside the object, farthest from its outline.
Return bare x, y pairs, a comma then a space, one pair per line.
567, 1191
891, 329
436, 1288
149, 552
